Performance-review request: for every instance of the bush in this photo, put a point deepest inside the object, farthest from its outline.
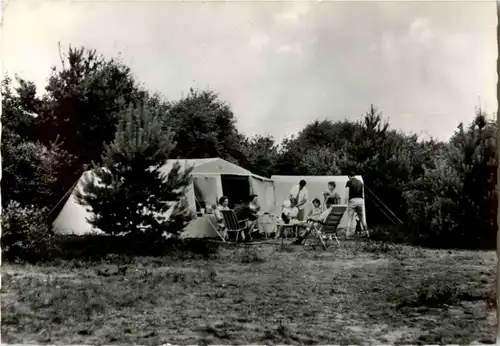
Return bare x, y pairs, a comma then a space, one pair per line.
432, 293
25, 233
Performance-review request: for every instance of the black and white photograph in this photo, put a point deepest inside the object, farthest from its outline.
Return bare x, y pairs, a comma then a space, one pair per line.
249, 172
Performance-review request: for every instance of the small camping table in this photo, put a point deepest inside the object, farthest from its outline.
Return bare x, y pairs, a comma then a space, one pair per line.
286, 226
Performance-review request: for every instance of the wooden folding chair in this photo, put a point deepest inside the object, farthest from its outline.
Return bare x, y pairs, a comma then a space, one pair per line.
232, 223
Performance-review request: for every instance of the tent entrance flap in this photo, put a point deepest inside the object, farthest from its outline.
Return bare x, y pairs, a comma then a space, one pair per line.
236, 188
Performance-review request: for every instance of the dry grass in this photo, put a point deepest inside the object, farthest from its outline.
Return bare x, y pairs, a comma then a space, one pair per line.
356, 294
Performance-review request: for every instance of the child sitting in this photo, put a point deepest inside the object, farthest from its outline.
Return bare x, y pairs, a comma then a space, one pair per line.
316, 209
314, 221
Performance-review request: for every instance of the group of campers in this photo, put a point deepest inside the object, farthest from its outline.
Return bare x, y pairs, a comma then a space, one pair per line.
294, 210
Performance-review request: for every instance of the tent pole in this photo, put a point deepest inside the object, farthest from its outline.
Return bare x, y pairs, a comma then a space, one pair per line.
63, 197
383, 212
382, 203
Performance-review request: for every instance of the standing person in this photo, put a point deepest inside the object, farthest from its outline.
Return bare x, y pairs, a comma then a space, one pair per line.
355, 204
331, 193
300, 193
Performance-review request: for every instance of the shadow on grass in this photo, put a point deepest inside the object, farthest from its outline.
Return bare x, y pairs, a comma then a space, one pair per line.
120, 250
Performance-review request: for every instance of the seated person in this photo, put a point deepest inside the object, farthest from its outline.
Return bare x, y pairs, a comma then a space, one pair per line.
314, 220
329, 203
240, 209
314, 213
222, 205
289, 214
248, 211
253, 213
242, 212
316, 209
289, 211
254, 208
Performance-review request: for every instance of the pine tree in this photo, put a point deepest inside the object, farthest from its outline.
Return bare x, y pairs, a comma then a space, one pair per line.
129, 194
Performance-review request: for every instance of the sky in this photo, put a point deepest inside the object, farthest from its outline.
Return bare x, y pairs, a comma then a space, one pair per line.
280, 65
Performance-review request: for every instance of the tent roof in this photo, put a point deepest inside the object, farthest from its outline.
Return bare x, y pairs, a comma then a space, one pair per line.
186, 163
214, 165
316, 178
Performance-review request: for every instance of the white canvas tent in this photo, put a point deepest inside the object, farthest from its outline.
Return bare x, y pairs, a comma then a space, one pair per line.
316, 185
209, 176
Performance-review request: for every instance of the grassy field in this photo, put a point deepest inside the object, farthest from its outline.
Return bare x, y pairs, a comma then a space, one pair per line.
358, 293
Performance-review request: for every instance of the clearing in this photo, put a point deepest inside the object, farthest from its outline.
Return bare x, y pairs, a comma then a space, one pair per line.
358, 293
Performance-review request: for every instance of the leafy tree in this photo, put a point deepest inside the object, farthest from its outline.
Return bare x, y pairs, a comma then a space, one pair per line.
260, 155
452, 204
478, 195
130, 194
81, 107
20, 107
318, 138
432, 202
83, 100
28, 170
321, 161
204, 127
28, 167
325, 133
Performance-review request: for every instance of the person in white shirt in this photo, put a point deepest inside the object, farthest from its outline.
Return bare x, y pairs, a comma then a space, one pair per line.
223, 205
290, 210
289, 213
300, 193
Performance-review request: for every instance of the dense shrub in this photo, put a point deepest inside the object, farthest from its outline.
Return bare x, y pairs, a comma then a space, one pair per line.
25, 233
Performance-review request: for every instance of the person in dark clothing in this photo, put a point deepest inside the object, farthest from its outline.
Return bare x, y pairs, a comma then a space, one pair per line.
248, 211
241, 210
355, 204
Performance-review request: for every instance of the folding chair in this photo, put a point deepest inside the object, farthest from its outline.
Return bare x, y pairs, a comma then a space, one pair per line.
331, 223
232, 223
315, 232
327, 228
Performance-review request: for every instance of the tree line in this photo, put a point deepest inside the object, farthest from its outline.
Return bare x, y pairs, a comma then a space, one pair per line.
94, 113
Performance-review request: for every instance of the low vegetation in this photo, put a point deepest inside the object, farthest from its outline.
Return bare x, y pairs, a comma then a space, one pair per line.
358, 293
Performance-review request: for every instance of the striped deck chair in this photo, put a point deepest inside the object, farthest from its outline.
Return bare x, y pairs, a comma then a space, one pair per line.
326, 230
233, 225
